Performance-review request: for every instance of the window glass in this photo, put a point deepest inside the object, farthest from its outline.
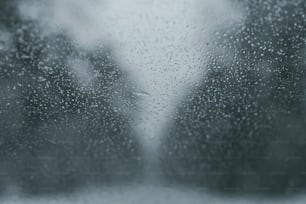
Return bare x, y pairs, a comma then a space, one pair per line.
162, 101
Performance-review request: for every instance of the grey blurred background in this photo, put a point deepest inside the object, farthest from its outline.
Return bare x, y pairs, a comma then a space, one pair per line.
152, 101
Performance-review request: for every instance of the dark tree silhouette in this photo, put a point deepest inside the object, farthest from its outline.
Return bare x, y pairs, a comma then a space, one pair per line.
64, 112
243, 129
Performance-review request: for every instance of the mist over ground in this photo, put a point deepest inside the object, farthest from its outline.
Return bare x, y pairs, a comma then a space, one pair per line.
147, 194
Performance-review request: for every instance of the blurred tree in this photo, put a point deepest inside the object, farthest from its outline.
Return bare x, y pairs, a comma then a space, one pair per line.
243, 129
64, 112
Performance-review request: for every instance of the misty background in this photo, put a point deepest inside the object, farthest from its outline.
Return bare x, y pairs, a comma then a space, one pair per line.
172, 99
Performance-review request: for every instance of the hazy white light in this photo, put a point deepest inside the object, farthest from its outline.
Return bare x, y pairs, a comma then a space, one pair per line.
162, 44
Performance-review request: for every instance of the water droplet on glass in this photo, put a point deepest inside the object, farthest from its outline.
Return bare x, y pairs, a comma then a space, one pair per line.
141, 94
